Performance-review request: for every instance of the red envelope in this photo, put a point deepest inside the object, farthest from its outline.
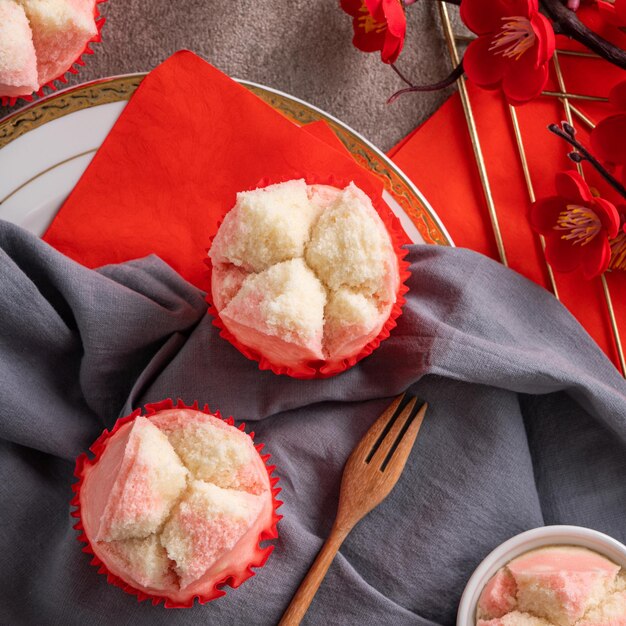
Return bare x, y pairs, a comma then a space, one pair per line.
189, 139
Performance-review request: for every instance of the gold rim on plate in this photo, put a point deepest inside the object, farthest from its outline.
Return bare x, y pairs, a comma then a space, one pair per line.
121, 88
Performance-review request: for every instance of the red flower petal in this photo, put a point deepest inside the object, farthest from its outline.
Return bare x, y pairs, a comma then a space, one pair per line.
613, 13
571, 186
596, 256
391, 49
485, 16
607, 139
368, 42
523, 81
396, 29
545, 38
481, 65
527, 8
482, 16
620, 11
607, 11
351, 7
617, 96
608, 215
561, 254
544, 212
395, 18
375, 8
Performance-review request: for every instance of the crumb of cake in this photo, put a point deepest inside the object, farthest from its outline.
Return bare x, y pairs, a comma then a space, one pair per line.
146, 559
211, 450
265, 227
207, 522
515, 618
348, 247
611, 612
148, 484
562, 583
349, 313
499, 595
287, 300
230, 279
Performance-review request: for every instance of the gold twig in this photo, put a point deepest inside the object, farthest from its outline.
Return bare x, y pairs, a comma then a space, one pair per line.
574, 96
580, 115
576, 53
605, 285
565, 101
529, 186
471, 124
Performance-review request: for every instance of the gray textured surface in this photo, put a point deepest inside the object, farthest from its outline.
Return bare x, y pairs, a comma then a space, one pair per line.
525, 427
302, 47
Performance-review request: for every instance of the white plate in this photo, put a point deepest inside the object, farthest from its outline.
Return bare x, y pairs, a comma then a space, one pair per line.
45, 148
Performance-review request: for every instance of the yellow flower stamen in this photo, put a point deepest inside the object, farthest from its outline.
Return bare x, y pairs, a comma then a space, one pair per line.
367, 22
515, 37
618, 252
580, 222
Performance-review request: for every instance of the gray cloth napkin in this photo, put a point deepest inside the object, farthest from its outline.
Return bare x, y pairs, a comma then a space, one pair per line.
526, 427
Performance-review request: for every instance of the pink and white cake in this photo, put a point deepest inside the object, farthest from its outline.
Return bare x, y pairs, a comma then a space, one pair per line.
175, 504
304, 273
555, 586
40, 40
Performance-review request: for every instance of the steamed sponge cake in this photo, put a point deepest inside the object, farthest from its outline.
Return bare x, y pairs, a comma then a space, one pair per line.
304, 273
515, 618
285, 303
350, 247
206, 523
265, 227
212, 450
60, 28
148, 483
18, 63
562, 583
176, 502
557, 585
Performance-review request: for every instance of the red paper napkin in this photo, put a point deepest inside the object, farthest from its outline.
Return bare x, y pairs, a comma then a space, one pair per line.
439, 158
187, 142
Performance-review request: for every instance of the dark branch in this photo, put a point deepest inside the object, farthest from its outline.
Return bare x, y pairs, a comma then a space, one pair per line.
401, 75
567, 23
456, 73
567, 132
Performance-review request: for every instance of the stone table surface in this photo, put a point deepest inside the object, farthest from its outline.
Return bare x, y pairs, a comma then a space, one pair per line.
302, 47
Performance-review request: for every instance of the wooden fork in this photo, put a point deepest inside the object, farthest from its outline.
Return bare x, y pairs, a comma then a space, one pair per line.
370, 473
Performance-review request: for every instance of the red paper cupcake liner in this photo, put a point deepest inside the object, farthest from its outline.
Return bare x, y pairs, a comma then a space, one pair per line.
323, 369
97, 38
232, 580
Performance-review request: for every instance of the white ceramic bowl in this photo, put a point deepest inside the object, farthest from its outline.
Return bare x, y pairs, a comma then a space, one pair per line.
530, 540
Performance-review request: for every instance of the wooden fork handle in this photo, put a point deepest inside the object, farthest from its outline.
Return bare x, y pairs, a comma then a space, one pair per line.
308, 587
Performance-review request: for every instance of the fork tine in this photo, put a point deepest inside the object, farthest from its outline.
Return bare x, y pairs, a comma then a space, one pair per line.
397, 459
380, 454
363, 450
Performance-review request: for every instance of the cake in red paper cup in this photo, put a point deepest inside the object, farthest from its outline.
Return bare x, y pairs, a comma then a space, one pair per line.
41, 40
175, 503
307, 276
